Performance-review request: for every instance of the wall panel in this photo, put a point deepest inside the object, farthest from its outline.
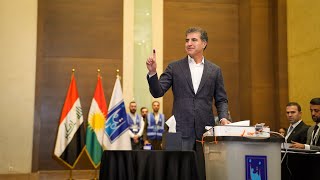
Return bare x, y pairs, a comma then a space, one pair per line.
84, 35
221, 21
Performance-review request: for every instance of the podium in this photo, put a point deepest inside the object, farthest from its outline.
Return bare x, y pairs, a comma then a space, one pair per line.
242, 158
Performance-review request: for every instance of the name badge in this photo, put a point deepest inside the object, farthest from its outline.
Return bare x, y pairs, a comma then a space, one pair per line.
134, 128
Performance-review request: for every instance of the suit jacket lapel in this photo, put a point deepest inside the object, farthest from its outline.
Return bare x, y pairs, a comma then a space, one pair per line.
187, 73
317, 138
296, 129
206, 73
309, 135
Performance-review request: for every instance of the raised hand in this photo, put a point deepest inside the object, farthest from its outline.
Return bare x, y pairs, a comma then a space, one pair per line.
151, 63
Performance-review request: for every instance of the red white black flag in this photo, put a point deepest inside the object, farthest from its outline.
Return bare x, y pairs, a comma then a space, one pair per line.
70, 137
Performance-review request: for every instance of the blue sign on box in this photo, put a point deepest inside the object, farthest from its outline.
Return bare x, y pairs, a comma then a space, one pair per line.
256, 167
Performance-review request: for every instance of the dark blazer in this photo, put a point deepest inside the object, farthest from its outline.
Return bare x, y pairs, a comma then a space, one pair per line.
309, 134
192, 111
299, 133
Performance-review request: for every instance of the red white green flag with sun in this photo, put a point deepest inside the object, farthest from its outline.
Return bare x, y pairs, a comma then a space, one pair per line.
70, 137
96, 121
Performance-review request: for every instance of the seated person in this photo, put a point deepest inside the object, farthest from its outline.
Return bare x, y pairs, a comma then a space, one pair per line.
313, 142
283, 131
297, 131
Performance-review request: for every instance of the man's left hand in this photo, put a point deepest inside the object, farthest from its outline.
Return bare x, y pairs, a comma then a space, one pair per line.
224, 121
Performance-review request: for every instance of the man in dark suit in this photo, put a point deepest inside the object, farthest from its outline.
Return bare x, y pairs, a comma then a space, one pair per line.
313, 133
195, 82
297, 130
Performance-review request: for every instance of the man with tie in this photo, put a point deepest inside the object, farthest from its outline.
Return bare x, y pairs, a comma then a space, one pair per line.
297, 130
197, 85
313, 141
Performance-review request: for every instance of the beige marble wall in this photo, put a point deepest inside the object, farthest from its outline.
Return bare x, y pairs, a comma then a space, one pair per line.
18, 35
142, 31
303, 18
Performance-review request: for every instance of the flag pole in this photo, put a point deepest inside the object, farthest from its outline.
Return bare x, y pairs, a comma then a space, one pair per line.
98, 71
72, 73
70, 175
95, 174
118, 76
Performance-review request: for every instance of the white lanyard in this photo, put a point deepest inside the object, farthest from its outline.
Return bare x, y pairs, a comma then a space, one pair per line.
314, 137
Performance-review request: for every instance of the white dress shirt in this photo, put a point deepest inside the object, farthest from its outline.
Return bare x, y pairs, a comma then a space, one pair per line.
196, 72
156, 117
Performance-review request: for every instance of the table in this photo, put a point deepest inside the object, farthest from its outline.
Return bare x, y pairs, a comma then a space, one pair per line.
147, 165
300, 165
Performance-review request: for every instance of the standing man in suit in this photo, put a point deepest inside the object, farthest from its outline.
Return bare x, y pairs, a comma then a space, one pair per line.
297, 130
313, 141
195, 82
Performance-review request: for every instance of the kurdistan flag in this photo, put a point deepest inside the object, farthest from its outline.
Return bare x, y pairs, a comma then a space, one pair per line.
96, 121
70, 137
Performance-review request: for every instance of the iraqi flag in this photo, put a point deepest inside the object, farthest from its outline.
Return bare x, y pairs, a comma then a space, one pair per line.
70, 137
116, 132
96, 122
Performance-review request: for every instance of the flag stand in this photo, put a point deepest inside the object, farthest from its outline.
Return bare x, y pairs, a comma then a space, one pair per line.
70, 175
95, 174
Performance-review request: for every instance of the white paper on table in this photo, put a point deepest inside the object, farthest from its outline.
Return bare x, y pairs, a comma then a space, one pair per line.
209, 131
240, 123
171, 122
